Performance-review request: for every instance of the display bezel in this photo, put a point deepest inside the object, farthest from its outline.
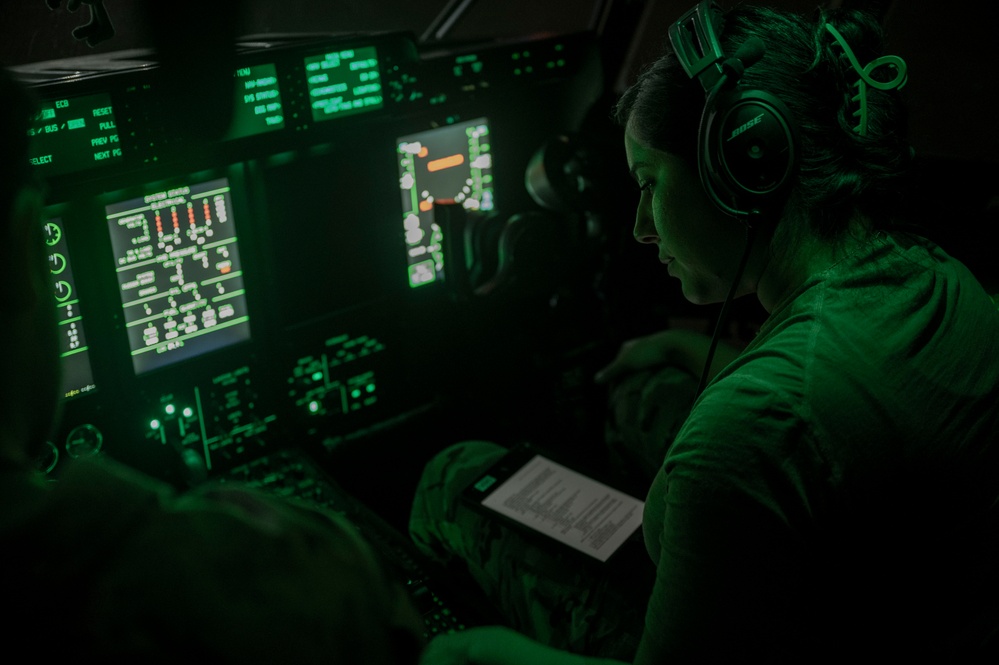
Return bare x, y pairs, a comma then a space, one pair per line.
76, 363
154, 348
421, 184
58, 147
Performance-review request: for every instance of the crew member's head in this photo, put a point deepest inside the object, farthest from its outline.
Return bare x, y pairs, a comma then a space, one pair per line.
845, 181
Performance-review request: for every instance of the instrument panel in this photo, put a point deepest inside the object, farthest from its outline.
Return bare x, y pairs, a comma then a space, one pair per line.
290, 279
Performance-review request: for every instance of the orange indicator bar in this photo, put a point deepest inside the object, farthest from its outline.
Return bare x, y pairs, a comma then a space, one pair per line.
445, 162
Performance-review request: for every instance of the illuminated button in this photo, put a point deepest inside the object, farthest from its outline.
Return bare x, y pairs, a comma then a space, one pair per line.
313, 407
317, 376
188, 412
48, 458
58, 262
154, 424
170, 409
53, 234
84, 441
63, 291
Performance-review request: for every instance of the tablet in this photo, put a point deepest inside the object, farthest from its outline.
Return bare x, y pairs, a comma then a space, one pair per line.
529, 489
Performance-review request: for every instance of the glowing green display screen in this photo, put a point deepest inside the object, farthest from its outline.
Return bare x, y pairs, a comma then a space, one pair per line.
453, 163
74, 134
342, 83
257, 107
179, 273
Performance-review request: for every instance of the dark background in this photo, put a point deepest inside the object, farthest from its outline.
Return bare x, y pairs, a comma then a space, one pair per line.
953, 87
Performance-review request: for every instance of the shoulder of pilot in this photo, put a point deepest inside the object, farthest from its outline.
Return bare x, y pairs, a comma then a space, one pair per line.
123, 495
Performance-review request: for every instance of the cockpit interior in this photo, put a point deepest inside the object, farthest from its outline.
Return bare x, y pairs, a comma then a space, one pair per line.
308, 245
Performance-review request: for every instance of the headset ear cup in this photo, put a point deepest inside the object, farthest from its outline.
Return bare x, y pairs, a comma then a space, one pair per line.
748, 150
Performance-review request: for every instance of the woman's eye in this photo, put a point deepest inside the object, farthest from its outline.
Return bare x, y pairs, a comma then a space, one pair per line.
643, 186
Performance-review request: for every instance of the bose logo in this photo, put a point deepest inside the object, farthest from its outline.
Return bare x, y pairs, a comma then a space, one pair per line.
743, 127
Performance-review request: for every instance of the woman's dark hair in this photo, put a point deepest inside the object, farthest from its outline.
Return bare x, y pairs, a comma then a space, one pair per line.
841, 171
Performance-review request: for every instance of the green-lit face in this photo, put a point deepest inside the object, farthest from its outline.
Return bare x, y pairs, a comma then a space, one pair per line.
699, 244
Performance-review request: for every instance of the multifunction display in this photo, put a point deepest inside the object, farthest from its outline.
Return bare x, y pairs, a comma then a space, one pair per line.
344, 82
74, 134
451, 163
257, 107
179, 273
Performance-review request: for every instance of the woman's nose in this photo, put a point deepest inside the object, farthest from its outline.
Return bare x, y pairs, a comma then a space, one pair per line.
645, 230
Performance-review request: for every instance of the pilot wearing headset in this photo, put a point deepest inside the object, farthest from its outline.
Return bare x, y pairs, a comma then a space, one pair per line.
834, 489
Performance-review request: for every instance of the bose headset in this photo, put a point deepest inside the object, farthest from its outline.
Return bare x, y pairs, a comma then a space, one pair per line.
747, 146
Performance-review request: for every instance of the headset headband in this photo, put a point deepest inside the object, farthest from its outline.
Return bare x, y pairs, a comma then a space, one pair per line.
747, 145
694, 37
